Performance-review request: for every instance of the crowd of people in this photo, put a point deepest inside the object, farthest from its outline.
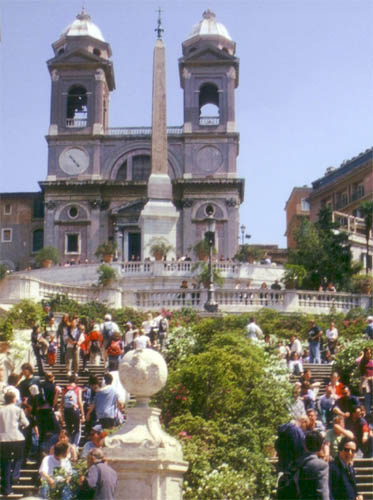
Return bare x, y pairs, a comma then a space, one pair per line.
81, 341
317, 448
41, 420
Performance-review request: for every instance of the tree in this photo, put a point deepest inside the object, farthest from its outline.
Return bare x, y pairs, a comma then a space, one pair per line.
366, 209
324, 250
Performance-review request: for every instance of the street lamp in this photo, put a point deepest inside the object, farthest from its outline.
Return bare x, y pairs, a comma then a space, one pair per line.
243, 229
211, 305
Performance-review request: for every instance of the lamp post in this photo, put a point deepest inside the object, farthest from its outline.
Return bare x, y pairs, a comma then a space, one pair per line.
243, 229
211, 305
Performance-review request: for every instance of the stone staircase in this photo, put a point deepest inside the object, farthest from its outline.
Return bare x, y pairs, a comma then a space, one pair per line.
30, 473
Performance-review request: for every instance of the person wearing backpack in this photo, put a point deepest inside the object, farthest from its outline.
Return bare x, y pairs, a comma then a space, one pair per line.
72, 409
108, 328
115, 351
95, 342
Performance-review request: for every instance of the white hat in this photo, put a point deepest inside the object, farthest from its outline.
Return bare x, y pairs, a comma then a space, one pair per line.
370, 318
108, 317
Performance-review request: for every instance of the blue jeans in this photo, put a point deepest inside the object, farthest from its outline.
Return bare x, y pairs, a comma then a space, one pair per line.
368, 399
11, 458
315, 355
72, 421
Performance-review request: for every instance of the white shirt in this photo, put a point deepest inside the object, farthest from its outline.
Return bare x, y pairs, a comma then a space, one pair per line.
141, 342
11, 417
332, 333
128, 337
296, 346
50, 463
68, 340
253, 330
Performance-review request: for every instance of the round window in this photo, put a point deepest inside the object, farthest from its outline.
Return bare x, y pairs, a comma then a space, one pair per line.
73, 212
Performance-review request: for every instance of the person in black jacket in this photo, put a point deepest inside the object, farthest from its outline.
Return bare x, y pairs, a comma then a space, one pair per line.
342, 481
313, 471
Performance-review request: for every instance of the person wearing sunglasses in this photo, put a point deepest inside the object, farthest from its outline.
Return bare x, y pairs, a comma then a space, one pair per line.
342, 480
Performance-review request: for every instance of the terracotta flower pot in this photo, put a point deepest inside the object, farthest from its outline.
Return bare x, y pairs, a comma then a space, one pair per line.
47, 263
107, 258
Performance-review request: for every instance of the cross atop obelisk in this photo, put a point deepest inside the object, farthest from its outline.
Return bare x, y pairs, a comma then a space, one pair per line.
159, 217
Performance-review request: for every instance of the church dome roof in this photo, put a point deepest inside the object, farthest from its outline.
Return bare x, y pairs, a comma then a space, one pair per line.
209, 26
83, 26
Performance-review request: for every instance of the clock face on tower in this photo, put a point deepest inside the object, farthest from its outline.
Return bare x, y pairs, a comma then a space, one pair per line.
74, 161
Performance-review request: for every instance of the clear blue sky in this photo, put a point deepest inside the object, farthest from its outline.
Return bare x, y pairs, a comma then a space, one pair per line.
305, 100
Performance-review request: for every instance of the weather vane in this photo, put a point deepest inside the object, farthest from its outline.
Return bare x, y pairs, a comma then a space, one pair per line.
159, 28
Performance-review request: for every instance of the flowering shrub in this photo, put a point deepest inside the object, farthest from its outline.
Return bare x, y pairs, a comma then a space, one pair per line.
345, 363
222, 482
224, 399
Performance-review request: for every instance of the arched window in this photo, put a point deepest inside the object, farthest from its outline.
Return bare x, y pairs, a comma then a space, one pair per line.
209, 104
77, 107
122, 172
37, 240
140, 168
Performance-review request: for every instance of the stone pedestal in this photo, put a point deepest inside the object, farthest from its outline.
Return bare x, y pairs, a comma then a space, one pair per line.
148, 461
158, 219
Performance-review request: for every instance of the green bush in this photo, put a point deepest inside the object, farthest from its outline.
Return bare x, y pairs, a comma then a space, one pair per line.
345, 363
106, 274
23, 315
3, 271
224, 399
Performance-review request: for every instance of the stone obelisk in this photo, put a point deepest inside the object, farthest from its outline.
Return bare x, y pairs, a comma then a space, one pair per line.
159, 217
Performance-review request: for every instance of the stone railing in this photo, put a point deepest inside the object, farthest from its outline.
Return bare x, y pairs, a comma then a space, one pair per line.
142, 287
142, 131
227, 269
76, 123
209, 121
244, 300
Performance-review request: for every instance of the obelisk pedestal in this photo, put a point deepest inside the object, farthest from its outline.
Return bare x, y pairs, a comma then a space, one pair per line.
159, 217
148, 461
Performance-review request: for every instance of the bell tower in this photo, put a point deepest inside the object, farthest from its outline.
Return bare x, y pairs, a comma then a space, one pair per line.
82, 76
209, 76
209, 73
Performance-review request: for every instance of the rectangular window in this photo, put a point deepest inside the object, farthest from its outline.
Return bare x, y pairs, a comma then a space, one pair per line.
305, 206
38, 208
72, 243
8, 209
6, 235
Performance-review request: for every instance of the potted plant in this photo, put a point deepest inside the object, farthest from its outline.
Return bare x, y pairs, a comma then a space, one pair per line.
204, 275
159, 248
294, 276
202, 249
362, 284
106, 275
47, 256
107, 250
249, 253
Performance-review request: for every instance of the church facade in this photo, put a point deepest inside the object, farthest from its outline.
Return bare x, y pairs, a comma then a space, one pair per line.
96, 183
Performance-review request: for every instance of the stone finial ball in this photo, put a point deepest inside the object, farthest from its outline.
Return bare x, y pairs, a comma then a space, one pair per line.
143, 372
